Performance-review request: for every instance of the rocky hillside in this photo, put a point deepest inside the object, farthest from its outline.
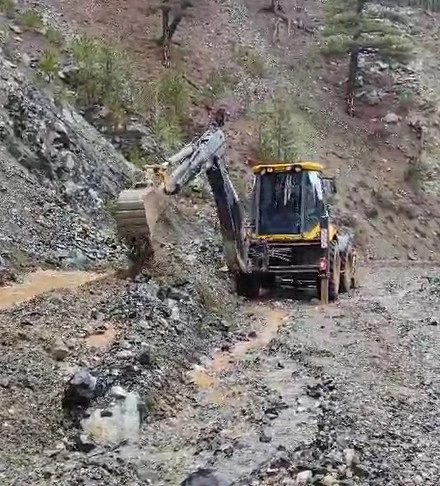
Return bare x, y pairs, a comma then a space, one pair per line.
106, 380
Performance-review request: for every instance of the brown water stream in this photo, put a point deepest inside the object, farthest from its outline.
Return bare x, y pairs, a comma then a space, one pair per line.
207, 377
43, 281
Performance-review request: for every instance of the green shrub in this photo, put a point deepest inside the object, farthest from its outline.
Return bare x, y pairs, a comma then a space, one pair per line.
167, 103
48, 62
104, 77
104, 73
218, 83
7, 6
31, 19
54, 36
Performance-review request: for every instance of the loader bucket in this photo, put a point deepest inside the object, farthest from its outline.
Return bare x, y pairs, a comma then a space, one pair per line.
136, 213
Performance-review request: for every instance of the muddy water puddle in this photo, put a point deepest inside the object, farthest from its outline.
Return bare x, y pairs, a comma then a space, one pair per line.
43, 281
257, 397
208, 377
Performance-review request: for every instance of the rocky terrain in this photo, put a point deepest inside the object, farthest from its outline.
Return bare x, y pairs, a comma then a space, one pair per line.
168, 378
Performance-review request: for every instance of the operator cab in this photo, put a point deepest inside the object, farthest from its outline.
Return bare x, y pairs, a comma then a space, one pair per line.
288, 199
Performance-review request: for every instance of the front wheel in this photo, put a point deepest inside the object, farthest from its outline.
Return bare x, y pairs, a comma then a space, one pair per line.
247, 285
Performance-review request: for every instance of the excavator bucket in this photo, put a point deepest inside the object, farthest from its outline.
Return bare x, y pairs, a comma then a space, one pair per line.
136, 213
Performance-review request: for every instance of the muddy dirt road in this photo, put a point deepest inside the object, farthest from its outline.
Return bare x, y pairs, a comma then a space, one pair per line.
352, 388
298, 394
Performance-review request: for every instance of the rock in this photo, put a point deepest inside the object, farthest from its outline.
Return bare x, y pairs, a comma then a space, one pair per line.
391, 118
118, 392
265, 437
349, 455
59, 350
329, 480
84, 443
202, 477
16, 29
4, 382
144, 357
304, 477
80, 391
121, 422
370, 97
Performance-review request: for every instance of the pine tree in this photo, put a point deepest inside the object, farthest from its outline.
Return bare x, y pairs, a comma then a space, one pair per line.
280, 132
353, 29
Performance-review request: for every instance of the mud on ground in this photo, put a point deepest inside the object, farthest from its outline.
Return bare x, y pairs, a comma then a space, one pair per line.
343, 395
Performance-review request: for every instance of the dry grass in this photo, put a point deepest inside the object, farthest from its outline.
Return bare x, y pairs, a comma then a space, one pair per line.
252, 62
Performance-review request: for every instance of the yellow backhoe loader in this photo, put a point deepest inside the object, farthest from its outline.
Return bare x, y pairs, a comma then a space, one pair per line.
289, 238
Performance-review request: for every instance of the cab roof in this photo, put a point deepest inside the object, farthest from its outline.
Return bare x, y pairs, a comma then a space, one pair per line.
287, 166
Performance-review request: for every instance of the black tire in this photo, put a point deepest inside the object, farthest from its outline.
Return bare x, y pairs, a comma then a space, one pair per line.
319, 283
248, 285
346, 270
354, 274
335, 271
267, 281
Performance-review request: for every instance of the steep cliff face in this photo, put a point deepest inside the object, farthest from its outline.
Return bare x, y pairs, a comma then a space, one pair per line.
57, 174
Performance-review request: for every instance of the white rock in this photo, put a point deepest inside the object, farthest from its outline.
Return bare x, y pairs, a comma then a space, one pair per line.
118, 392
304, 477
329, 480
391, 118
349, 456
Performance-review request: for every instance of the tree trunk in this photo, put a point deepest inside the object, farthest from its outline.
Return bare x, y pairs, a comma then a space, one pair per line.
175, 23
165, 21
166, 37
354, 62
351, 83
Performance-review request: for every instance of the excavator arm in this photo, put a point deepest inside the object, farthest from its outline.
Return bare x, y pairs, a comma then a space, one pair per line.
138, 209
230, 215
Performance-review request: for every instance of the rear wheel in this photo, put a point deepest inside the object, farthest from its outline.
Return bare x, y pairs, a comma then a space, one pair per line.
267, 281
322, 288
248, 285
347, 270
335, 271
354, 274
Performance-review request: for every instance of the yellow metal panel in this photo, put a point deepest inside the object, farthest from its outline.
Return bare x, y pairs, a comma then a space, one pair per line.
332, 231
310, 235
284, 166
